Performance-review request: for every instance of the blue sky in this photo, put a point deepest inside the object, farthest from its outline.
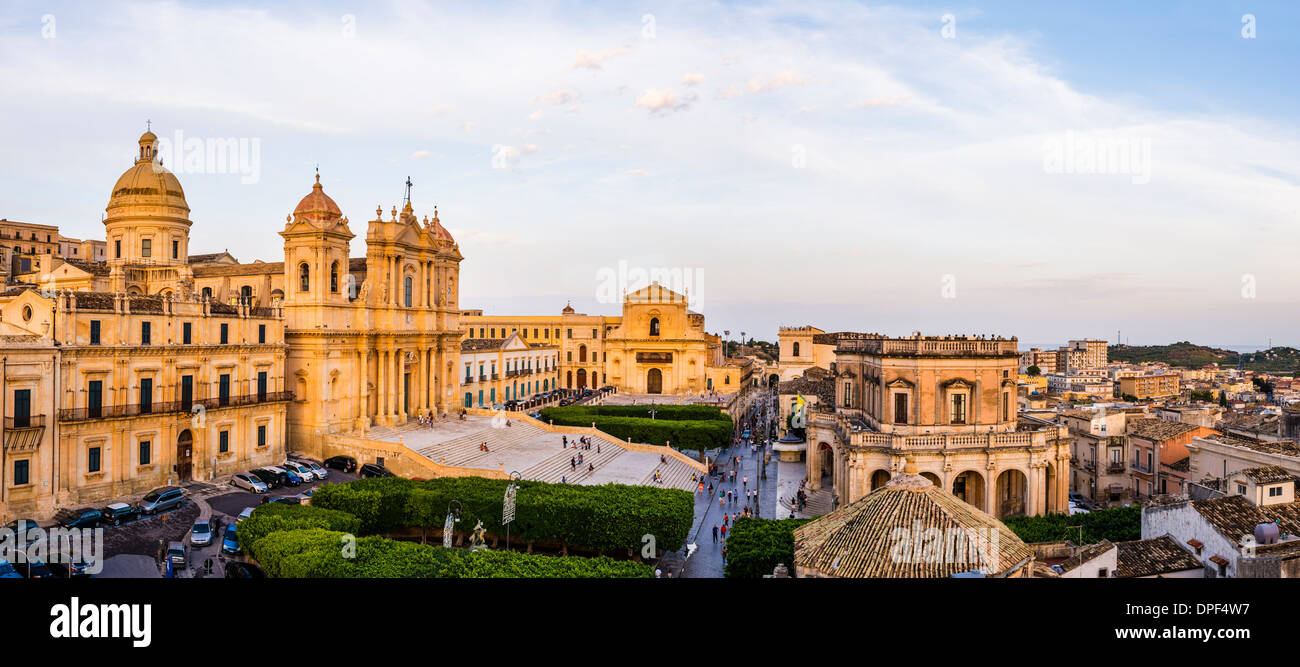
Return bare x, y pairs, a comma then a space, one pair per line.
840, 164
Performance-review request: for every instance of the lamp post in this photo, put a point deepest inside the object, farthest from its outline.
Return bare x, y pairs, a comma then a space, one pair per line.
508, 507
448, 526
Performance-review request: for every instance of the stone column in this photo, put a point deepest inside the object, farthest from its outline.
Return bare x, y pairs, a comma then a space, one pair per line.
381, 386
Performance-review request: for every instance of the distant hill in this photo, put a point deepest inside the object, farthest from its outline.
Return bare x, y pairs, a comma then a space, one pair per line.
1190, 355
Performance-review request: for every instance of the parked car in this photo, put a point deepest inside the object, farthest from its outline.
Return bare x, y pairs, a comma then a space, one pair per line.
287, 500
201, 533
25, 526
247, 512
82, 518
230, 543
64, 565
162, 499
247, 482
344, 463
240, 570
119, 513
270, 479
535, 415
375, 470
1076, 509
177, 554
288, 477
305, 472
31, 566
319, 470
8, 571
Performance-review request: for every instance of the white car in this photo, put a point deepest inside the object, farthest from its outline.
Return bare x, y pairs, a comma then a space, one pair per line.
304, 471
248, 511
248, 481
1075, 509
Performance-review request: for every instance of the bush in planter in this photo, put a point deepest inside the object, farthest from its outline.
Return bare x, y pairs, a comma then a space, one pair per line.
690, 427
275, 517
602, 518
317, 553
756, 546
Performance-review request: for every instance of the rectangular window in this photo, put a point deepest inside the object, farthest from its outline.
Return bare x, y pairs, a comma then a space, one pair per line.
144, 452
223, 389
92, 459
94, 332
176, 249
22, 408
1241, 489
570, 333
225, 333
94, 398
117, 248
146, 333
1006, 406
261, 386
1273, 491
186, 331
261, 435
187, 392
224, 440
261, 333
21, 472
900, 408
957, 413
593, 334
146, 396
146, 247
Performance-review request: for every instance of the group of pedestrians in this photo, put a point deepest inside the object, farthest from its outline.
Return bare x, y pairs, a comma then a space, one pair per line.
584, 442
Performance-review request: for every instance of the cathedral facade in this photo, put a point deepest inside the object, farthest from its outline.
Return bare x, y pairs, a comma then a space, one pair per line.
154, 366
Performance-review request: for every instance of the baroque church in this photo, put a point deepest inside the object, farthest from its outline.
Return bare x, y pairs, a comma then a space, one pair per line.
155, 366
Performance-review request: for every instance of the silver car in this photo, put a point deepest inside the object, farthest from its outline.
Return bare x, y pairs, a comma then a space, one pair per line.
248, 482
201, 533
304, 471
320, 470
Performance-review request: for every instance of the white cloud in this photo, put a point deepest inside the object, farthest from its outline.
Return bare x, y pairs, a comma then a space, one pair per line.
536, 115
663, 100
693, 78
420, 154
594, 60
636, 172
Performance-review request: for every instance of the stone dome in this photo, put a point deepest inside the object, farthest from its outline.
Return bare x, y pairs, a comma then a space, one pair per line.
317, 204
148, 188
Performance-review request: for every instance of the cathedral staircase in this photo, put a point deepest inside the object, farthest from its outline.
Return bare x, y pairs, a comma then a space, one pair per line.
557, 466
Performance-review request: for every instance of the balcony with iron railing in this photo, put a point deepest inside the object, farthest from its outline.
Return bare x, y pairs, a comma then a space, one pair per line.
29, 421
1115, 468
171, 407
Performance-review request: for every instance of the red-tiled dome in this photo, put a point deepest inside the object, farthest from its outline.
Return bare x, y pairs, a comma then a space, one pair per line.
317, 203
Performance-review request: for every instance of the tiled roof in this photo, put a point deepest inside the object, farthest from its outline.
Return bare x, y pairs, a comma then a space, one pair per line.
477, 344
1151, 428
1146, 558
1266, 474
859, 540
254, 269
1086, 554
93, 268
1233, 516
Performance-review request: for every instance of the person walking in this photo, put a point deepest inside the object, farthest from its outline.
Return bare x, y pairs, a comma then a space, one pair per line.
715, 532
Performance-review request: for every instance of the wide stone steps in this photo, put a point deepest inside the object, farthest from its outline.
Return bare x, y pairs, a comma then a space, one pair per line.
676, 475
819, 503
465, 449
556, 467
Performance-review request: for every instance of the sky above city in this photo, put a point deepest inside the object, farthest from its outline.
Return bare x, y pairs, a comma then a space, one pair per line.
1048, 172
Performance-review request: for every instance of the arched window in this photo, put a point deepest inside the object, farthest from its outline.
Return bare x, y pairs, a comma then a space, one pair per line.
334, 277
304, 277
246, 292
410, 289
654, 326
796, 349
207, 293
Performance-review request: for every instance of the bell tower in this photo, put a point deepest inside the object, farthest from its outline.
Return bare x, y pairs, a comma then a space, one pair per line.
316, 245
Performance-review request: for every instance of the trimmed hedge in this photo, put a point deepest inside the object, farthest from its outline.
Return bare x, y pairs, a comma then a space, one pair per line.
756, 546
682, 426
603, 518
276, 517
1117, 524
317, 553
